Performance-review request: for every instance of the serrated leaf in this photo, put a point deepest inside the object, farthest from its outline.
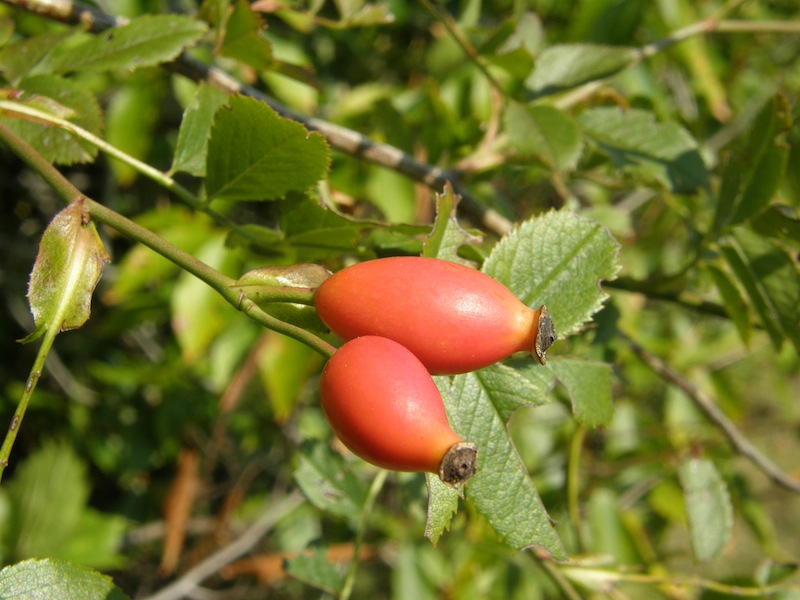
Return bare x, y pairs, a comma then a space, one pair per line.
254, 154
545, 132
316, 570
243, 40
588, 385
64, 99
442, 505
67, 268
192, 145
771, 279
501, 489
328, 483
447, 235
52, 579
145, 41
708, 507
557, 259
563, 66
19, 59
54, 471
634, 140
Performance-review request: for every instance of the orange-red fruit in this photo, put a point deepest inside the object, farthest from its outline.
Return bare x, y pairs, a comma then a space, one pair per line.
384, 406
453, 318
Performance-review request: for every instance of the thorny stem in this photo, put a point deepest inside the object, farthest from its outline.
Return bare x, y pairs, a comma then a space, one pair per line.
706, 404
219, 282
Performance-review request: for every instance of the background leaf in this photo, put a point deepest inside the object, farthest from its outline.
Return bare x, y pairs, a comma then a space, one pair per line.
563, 66
192, 145
145, 41
634, 140
708, 507
545, 132
589, 387
254, 154
72, 102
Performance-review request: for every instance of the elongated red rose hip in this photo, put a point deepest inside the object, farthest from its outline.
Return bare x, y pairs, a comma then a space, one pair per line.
384, 406
453, 318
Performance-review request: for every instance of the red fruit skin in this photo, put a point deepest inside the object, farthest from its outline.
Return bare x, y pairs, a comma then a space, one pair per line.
384, 406
453, 318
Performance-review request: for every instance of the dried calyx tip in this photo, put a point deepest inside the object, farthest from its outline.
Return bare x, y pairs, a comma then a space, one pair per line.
459, 463
545, 335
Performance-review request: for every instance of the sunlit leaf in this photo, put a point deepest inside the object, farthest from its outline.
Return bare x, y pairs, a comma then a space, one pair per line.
52, 578
545, 132
146, 41
192, 146
254, 154
64, 99
589, 387
564, 66
635, 141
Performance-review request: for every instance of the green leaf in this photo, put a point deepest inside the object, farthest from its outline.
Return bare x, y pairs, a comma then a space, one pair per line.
754, 175
447, 236
131, 119
545, 132
199, 314
96, 541
708, 507
64, 99
563, 66
284, 364
254, 154
771, 279
634, 140
557, 259
146, 41
48, 496
442, 505
589, 387
192, 145
733, 301
20, 59
52, 579
780, 222
316, 570
501, 490
243, 39
67, 269
328, 483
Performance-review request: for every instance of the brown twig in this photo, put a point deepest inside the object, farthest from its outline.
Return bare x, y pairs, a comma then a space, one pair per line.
709, 407
341, 138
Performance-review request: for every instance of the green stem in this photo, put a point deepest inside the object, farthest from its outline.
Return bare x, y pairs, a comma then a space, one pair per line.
573, 479
219, 282
372, 495
22, 407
